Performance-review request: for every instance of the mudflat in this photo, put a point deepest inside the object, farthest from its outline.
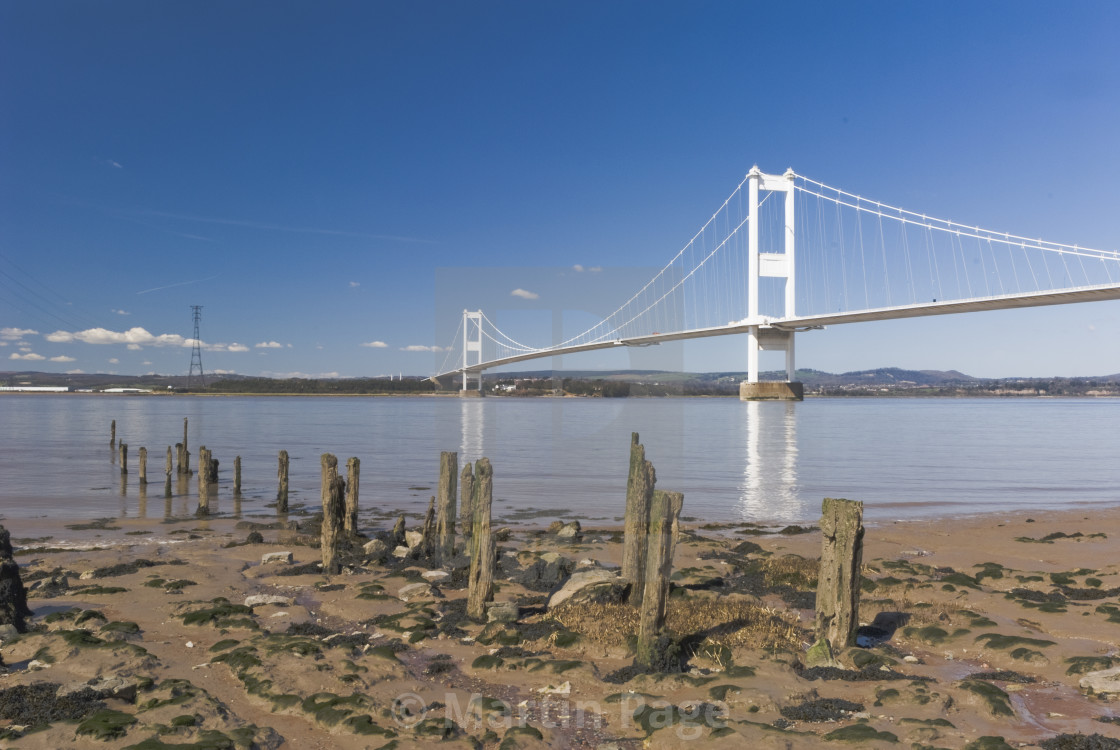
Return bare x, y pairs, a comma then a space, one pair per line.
979, 632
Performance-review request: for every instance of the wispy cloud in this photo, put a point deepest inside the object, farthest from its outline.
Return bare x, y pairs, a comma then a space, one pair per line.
524, 294
180, 283
355, 284
15, 334
284, 228
577, 268
268, 345
30, 356
375, 344
234, 347
75, 372
110, 163
114, 361
63, 358
120, 312
421, 348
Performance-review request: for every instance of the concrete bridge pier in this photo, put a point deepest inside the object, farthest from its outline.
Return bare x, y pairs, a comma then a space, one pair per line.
770, 339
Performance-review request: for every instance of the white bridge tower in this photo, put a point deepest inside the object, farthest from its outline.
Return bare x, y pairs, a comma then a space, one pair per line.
775, 260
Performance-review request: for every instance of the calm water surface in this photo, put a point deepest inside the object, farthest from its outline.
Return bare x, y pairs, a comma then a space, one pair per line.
734, 461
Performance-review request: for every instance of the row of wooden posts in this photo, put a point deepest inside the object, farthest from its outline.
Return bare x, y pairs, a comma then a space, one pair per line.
208, 475
652, 520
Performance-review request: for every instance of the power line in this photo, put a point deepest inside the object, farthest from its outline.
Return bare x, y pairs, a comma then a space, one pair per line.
196, 350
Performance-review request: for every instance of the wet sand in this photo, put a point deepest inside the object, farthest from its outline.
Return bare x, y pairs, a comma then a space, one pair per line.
989, 622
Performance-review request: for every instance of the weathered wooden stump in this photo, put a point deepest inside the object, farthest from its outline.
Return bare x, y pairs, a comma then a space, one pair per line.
639, 494
428, 531
483, 548
282, 476
112, 433
839, 578
350, 519
466, 499
396, 536
237, 476
665, 508
328, 470
123, 458
143, 465
167, 475
185, 458
445, 510
203, 481
334, 507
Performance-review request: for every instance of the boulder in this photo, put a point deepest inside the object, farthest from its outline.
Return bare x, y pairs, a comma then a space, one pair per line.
259, 599
435, 576
546, 573
1103, 681
414, 591
276, 558
595, 584
376, 550
413, 540
502, 612
820, 655
570, 531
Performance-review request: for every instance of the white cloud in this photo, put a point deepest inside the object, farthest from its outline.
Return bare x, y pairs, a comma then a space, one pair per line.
524, 294
354, 284
25, 348
375, 344
114, 361
120, 312
134, 347
223, 372
146, 363
421, 348
15, 334
135, 338
63, 358
595, 269
75, 372
131, 336
29, 356
3, 343
577, 268
269, 345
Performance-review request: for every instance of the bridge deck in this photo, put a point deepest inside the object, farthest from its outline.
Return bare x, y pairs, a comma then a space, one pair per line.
999, 302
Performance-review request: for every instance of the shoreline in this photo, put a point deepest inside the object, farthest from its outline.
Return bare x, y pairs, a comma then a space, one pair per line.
996, 618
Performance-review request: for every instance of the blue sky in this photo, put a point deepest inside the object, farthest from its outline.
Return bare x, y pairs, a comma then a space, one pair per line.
305, 170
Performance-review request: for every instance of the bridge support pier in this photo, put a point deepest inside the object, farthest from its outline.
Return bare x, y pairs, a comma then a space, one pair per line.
761, 339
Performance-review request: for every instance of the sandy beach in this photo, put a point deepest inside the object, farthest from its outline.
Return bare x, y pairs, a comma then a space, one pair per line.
144, 635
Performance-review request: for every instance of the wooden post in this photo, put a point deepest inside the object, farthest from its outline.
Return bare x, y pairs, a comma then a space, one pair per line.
237, 476
185, 466
167, 475
428, 542
113, 433
466, 506
203, 481
123, 457
396, 536
333, 492
838, 580
445, 514
483, 550
282, 475
143, 465
350, 518
328, 470
639, 493
664, 510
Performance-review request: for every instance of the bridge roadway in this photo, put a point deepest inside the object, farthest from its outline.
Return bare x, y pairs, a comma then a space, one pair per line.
809, 322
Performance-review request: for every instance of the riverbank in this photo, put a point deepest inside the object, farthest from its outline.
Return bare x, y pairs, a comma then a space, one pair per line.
988, 625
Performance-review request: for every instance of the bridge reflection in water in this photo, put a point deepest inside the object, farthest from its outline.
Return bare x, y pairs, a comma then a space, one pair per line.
769, 489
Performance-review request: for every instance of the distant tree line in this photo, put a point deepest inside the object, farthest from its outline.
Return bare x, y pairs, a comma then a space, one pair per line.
348, 386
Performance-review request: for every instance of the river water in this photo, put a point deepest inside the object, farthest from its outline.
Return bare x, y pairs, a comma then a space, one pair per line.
734, 461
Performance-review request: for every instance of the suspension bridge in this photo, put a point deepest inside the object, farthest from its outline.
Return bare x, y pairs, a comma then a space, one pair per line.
786, 254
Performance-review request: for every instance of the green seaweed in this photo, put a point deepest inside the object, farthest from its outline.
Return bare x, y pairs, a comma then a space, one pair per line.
105, 724
860, 733
998, 702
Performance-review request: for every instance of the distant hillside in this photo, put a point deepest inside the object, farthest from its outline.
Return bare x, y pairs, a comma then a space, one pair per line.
619, 383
